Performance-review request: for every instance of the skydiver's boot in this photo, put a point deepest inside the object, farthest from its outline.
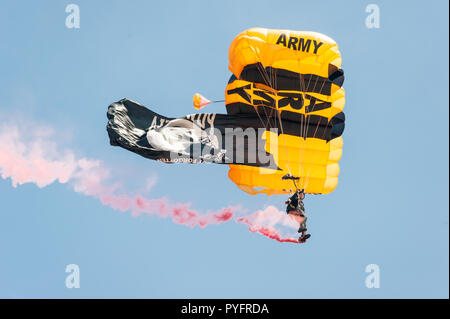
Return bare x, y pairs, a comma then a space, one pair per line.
303, 238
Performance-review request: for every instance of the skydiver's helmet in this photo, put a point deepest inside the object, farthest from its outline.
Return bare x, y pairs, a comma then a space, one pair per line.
301, 195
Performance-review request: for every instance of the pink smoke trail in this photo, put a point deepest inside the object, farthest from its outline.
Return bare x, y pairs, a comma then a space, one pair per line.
268, 222
37, 159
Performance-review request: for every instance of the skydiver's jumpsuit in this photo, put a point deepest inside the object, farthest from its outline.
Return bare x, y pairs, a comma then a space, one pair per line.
296, 204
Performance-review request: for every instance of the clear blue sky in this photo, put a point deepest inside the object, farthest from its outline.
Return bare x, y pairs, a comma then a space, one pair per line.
390, 207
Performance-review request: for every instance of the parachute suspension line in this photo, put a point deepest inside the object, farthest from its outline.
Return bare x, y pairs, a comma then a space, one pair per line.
273, 85
265, 124
307, 118
284, 139
266, 78
257, 113
315, 132
295, 184
296, 187
278, 113
302, 124
268, 82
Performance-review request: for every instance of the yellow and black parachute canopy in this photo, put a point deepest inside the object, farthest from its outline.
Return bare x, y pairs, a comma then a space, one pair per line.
285, 76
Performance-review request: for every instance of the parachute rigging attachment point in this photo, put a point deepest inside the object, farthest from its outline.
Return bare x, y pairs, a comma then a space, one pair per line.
289, 176
293, 178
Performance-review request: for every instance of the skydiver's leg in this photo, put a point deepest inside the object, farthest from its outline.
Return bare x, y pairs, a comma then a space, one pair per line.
303, 228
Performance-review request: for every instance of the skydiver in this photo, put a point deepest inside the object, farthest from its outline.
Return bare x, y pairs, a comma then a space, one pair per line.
296, 208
